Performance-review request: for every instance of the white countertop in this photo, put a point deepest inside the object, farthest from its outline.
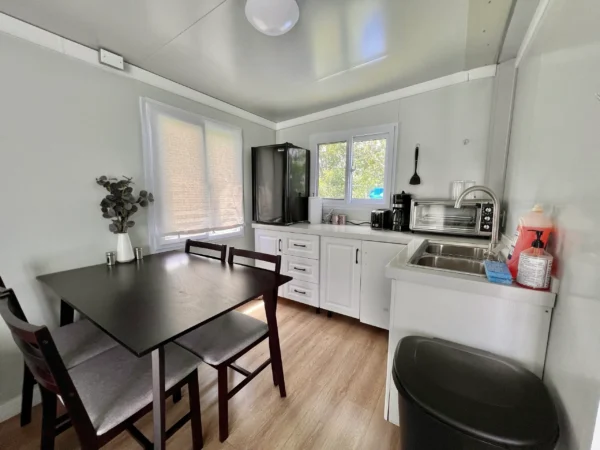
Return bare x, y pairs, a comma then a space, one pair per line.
363, 232
398, 269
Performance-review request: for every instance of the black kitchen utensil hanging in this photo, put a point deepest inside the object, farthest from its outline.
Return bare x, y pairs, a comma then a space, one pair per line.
416, 179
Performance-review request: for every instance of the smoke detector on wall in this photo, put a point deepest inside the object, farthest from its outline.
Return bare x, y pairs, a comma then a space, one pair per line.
272, 17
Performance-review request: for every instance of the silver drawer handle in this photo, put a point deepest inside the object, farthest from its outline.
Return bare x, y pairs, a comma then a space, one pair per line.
300, 292
299, 269
300, 245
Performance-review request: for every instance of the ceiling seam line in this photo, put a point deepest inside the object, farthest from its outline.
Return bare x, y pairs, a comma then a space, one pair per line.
150, 55
505, 33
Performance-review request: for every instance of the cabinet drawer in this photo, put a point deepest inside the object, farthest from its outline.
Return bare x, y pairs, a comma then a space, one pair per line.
304, 245
299, 268
303, 292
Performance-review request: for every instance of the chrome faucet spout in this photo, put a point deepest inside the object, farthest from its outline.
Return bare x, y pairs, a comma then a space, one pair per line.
496, 213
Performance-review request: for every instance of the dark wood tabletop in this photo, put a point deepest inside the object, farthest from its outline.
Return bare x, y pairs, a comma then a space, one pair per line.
144, 305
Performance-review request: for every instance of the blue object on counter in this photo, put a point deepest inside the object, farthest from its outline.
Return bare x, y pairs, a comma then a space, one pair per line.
497, 272
499, 280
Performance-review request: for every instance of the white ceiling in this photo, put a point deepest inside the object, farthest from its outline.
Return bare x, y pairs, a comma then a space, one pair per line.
567, 24
340, 50
523, 12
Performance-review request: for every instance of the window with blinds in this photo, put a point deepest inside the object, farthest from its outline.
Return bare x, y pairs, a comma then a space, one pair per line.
193, 165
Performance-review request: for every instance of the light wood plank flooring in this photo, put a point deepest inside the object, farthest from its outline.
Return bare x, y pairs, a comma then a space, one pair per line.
335, 378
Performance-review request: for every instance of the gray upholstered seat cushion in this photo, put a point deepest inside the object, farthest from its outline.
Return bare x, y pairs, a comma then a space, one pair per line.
223, 338
80, 341
116, 384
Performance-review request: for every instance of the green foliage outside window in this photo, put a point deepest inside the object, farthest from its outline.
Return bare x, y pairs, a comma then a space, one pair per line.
332, 170
368, 168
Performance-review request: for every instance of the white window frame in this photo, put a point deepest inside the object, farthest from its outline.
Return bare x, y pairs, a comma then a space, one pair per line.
158, 243
389, 131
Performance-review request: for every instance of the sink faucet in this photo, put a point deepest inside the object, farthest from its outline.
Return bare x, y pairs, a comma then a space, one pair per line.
495, 217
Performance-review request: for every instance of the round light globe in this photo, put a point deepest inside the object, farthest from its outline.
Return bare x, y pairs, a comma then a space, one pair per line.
272, 17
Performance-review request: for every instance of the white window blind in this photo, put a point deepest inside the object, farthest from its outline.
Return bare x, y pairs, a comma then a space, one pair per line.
193, 166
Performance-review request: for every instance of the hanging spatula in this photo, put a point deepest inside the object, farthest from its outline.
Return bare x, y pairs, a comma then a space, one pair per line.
416, 179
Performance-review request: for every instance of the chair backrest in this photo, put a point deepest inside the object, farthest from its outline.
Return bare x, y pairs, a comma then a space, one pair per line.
44, 361
16, 306
275, 259
221, 249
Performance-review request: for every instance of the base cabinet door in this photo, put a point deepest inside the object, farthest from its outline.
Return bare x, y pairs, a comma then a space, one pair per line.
340, 276
270, 242
375, 288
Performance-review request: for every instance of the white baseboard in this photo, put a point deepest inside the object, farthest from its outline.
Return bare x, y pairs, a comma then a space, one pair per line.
12, 407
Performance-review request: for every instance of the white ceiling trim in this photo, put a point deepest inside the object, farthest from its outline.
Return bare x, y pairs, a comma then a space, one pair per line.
482, 72
33, 34
23, 30
432, 85
532, 30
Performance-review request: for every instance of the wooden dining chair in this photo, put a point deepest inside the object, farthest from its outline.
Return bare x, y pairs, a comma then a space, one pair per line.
224, 340
196, 247
106, 394
200, 248
76, 343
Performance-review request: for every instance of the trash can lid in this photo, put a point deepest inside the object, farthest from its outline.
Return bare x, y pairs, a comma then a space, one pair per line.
476, 392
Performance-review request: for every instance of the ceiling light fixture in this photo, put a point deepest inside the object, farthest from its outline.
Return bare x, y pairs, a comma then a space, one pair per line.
272, 17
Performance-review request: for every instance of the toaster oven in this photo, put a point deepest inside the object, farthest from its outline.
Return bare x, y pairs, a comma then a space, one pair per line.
474, 218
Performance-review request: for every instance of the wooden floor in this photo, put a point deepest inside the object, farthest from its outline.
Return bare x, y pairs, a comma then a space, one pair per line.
335, 378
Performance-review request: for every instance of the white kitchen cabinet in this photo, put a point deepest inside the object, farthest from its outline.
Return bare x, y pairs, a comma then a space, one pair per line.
299, 260
302, 291
269, 242
301, 268
340, 275
302, 245
375, 288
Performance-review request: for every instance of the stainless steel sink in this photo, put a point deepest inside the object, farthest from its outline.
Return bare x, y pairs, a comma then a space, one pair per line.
453, 264
451, 257
458, 251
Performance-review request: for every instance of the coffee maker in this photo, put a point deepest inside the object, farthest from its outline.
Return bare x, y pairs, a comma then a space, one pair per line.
401, 212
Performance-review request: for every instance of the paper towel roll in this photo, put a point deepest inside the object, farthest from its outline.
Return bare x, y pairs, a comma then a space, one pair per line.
315, 210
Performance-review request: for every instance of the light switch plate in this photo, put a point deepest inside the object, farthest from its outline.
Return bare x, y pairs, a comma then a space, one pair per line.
111, 59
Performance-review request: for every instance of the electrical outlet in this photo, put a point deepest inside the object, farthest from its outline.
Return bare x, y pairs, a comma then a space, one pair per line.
111, 59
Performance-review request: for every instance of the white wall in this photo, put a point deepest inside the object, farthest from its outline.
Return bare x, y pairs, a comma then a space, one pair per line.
554, 159
63, 123
439, 120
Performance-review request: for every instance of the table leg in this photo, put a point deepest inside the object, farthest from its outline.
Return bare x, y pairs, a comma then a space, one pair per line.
270, 300
67, 314
158, 397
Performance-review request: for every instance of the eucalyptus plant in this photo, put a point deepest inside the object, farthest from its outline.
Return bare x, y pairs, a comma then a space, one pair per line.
121, 203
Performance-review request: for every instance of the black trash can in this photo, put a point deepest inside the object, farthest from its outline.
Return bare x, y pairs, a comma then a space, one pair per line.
454, 397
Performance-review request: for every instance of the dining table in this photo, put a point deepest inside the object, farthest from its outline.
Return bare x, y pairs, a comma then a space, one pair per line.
148, 303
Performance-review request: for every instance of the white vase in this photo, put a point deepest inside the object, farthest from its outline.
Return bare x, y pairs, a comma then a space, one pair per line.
124, 248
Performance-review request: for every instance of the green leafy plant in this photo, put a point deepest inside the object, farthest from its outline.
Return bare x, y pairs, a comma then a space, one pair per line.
121, 203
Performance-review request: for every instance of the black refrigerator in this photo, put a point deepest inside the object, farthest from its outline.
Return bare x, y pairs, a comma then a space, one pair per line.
280, 178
